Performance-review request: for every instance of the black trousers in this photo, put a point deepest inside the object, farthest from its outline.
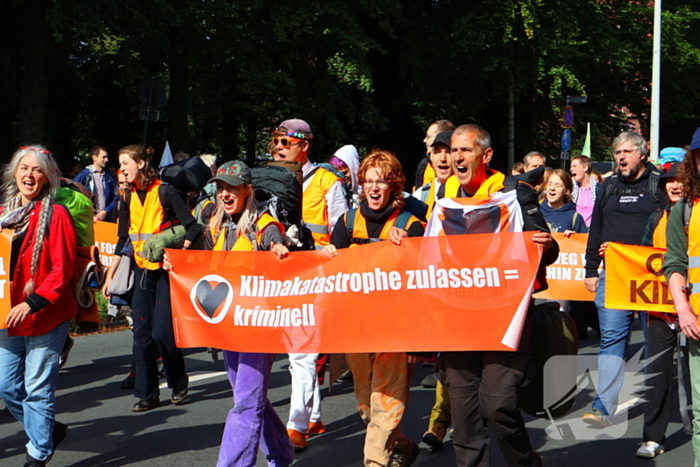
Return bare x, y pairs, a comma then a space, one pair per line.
661, 342
153, 330
484, 392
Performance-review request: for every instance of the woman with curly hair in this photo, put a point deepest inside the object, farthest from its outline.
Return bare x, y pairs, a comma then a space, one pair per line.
382, 380
44, 245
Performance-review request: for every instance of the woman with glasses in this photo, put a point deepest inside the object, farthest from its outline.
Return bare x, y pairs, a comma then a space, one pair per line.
41, 266
382, 380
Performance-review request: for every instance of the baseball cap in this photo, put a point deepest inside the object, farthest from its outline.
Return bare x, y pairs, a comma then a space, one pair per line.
696, 140
672, 173
295, 128
444, 137
234, 173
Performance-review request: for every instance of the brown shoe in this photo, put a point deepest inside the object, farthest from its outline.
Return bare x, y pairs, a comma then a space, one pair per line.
315, 428
435, 436
404, 456
298, 440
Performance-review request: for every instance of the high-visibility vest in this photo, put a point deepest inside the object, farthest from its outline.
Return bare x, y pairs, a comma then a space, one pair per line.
694, 257
428, 174
146, 219
314, 208
659, 237
243, 243
490, 186
358, 230
428, 196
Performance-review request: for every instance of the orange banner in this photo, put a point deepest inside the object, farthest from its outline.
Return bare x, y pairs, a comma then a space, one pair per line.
106, 241
463, 292
565, 276
5, 251
634, 279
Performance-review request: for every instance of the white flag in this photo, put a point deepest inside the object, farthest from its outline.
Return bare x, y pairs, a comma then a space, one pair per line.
167, 158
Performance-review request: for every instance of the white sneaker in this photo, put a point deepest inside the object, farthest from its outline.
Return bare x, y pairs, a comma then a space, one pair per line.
649, 449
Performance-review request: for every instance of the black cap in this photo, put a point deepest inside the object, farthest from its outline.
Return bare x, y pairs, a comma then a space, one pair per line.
672, 173
444, 137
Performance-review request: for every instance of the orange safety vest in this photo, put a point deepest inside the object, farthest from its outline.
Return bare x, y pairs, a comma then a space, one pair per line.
490, 186
359, 225
428, 174
314, 207
146, 219
659, 237
243, 243
694, 257
427, 196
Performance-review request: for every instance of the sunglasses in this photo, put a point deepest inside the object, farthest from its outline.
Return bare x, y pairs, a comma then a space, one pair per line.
286, 141
32, 148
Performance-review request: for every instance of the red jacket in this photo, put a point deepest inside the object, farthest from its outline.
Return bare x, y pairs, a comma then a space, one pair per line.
52, 276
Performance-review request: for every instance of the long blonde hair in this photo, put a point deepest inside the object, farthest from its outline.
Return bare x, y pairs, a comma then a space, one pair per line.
248, 217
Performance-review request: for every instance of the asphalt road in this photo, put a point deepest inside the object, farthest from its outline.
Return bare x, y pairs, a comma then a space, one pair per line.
104, 431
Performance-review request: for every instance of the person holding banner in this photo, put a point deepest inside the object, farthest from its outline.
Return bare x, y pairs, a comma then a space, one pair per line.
42, 261
622, 208
680, 268
662, 330
236, 225
382, 380
484, 385
148, 209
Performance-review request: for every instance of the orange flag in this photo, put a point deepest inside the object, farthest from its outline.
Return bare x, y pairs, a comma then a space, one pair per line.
5, 251
463, 292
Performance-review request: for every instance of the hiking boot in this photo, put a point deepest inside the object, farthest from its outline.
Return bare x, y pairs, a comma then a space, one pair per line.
649, 449
67, 346
298, 440
179, 394
315, 428
435, 436
129, 382
429, 381
597, 419
146, 404
404, 456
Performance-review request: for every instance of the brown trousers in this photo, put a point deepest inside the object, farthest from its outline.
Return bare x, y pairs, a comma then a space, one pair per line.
382, 383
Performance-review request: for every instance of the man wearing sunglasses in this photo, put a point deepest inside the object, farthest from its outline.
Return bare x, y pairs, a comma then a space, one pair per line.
323, 203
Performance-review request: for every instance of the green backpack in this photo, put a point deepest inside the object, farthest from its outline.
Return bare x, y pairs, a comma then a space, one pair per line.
80, 208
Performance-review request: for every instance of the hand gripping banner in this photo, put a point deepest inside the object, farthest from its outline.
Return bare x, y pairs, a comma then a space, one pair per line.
462, 292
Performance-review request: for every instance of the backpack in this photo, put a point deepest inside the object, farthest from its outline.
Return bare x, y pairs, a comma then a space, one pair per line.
401, 222
277, 190
187, 175
553, 333
651, 188
81, 211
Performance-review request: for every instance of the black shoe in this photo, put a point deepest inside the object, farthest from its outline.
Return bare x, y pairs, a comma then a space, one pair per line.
345, 377
68, 344
60, 431
146, 404
429, 381
31, 462
129, 382
180, 394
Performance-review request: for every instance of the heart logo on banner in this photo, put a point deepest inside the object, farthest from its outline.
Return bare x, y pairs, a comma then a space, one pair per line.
208, 295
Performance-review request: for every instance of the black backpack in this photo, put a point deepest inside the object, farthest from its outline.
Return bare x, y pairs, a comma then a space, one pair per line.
652, 188
187, 175
278, 190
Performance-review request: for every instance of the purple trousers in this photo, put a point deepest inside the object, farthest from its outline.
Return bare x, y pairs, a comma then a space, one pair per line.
252, 422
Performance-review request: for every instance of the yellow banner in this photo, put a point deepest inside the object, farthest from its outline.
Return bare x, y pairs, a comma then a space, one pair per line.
634, 279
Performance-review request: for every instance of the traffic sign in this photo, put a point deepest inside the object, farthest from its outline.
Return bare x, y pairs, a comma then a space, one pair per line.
568, 118
565, 156
566, 140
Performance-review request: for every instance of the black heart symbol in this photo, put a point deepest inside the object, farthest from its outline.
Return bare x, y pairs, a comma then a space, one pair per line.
210, 299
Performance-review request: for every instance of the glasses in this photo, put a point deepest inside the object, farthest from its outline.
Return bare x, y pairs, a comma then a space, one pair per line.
32, 148
380, 183
286, 141
626, 152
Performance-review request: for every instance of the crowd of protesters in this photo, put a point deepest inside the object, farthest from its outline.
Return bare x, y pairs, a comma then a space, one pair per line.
350, 202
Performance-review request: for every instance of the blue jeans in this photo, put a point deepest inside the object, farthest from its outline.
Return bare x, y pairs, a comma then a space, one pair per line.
29, 369
252, 422
615, 327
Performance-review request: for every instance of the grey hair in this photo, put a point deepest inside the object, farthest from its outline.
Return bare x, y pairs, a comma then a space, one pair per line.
50, 169
483, 138
635, 138
528, 157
